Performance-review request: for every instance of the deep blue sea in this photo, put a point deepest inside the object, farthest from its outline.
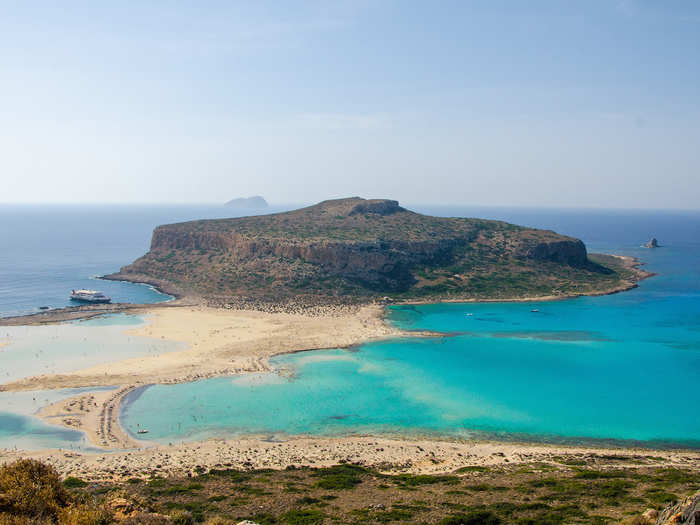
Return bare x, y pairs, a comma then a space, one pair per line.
46, 251
623, 367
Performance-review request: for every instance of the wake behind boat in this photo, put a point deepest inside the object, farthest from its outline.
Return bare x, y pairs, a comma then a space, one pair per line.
89, 296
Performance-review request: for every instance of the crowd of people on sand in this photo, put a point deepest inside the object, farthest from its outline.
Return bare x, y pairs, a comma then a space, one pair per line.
312, 308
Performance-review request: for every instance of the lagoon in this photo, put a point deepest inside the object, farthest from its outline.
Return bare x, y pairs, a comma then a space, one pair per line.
620, 368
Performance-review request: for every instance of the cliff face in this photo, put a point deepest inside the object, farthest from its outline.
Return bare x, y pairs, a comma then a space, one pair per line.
569, 251
354, 247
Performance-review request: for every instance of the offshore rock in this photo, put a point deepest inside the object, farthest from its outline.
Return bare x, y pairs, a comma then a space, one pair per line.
250, 203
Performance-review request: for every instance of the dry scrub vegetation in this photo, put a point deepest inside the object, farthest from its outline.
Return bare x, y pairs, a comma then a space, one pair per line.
525, 494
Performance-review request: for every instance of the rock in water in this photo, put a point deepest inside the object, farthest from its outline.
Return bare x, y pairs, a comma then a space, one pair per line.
653, 243
251, 203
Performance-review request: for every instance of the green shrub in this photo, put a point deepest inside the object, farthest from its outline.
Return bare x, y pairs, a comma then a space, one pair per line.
31, 489
303, 517
73, 483
181, 517
479, 517
339, 477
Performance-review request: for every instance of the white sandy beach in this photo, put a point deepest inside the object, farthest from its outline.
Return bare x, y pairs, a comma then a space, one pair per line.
217, 342
220, 342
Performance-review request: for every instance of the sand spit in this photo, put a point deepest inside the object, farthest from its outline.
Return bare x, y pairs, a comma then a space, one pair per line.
221, 342
217, 342
96, 414
387, 454
89, 311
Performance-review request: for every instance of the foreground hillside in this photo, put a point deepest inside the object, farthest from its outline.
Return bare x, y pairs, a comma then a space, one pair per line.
353, 250
589, 490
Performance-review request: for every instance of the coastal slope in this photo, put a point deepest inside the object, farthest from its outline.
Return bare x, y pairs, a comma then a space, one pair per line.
356, 250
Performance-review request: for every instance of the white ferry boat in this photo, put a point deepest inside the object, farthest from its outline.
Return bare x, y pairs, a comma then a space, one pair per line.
89, 296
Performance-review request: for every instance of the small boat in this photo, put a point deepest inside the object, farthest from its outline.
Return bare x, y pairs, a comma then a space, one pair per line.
43, 308
89, 296
535, 310
469, 315
142, 431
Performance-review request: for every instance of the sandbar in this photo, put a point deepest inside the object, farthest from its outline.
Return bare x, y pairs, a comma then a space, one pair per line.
217, 342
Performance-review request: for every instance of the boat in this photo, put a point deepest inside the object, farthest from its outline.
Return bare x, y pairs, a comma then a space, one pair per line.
535, 310
142, 431
89, 296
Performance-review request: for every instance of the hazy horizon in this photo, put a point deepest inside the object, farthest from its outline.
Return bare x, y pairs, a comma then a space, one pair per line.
485, 104
276, 207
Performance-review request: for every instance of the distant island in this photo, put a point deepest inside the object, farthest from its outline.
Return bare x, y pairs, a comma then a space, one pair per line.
355, 250
248, 203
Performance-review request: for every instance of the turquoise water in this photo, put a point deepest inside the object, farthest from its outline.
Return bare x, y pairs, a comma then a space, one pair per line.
67, 347
20, 428
619, 367
60, 348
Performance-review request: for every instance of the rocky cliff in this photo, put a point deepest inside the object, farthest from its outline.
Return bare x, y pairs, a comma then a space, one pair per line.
357, 248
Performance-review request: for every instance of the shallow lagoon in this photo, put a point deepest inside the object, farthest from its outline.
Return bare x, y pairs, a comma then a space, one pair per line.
67, 347
619, 367
59, 348
20, 428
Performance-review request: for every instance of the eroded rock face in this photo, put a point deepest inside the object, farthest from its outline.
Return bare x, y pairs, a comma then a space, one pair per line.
686, 512
571, 252
378, 206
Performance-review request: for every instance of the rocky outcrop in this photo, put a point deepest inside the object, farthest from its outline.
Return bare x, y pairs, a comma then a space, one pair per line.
653, 243
357, 246
570, 251
686, 512
378, 206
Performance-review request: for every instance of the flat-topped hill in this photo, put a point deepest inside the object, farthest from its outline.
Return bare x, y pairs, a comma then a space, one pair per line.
356, 250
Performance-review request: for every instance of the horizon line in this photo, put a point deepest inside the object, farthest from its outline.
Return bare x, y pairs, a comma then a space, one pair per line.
272, 205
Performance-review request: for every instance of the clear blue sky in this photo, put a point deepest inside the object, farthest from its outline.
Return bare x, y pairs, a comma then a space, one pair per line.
536, 103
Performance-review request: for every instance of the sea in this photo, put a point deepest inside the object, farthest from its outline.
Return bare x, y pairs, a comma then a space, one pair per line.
618, 369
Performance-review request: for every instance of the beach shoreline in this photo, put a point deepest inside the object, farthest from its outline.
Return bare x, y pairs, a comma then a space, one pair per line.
217, 342
74, 313
387, 454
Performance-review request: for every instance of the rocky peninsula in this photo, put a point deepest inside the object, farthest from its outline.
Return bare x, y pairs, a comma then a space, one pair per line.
353, 251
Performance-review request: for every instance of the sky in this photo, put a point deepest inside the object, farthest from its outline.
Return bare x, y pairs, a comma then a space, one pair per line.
590, 103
